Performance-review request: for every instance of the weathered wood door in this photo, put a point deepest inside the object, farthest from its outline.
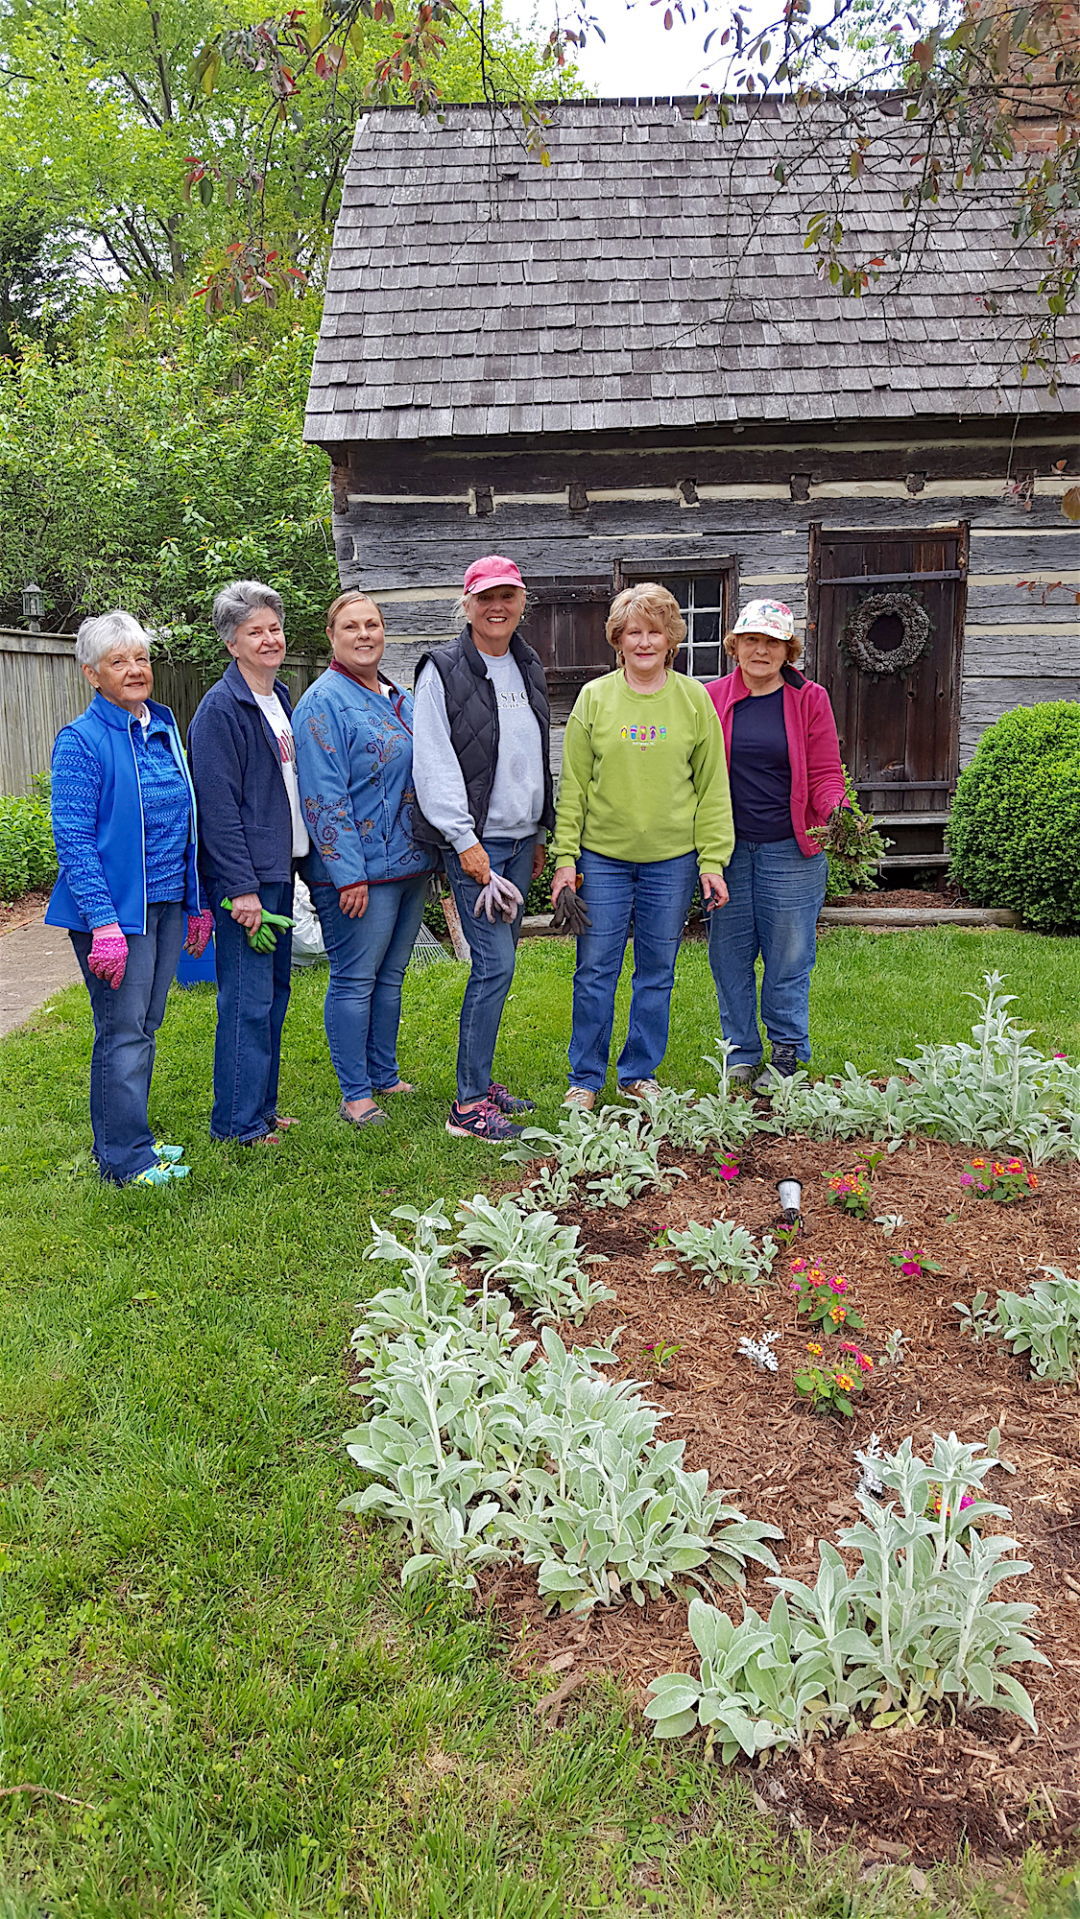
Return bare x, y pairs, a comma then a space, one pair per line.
564, 621
899, 732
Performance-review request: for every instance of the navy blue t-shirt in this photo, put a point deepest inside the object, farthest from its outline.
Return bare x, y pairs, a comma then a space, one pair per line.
760, 769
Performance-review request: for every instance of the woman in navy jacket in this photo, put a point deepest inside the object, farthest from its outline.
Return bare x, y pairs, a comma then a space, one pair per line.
366, 872
251, 834
124, 825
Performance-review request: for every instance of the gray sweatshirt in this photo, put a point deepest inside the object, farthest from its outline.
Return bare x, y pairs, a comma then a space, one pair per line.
517, 796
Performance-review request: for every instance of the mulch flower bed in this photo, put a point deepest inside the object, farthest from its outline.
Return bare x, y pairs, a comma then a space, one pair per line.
23, 911
917, 1794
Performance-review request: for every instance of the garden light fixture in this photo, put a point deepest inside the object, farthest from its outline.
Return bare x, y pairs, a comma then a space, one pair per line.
33, 606
790, 1191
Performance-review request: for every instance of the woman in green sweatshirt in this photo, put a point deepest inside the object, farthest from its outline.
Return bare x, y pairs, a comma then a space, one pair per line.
643, 809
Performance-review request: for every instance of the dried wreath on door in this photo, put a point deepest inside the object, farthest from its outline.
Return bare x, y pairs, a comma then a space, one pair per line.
915, 635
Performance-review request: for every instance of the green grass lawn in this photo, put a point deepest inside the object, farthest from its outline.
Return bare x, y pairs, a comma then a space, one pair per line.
231, 1707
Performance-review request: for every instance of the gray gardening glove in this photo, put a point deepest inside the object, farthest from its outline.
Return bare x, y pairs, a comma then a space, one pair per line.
569, 915
500, 896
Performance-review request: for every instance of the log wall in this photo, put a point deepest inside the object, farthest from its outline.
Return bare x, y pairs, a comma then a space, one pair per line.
409, 518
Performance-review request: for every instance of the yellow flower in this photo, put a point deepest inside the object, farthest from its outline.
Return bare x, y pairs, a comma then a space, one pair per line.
844, 1383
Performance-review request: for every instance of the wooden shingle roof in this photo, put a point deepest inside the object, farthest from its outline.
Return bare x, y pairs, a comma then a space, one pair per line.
652, 276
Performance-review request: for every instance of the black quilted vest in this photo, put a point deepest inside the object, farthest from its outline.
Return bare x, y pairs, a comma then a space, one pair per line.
473, 715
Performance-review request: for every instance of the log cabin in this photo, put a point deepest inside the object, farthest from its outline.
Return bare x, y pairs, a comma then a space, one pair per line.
625, 364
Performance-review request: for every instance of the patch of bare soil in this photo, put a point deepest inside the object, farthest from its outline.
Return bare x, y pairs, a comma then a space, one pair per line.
985, 1781
23, 911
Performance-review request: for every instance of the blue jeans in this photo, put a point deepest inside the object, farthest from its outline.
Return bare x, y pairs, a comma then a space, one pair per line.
368, 957
654, 897
125, 1035
493, 950
776, 896
253, 993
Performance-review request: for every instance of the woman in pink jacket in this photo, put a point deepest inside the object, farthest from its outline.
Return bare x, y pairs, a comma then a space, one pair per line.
786, 779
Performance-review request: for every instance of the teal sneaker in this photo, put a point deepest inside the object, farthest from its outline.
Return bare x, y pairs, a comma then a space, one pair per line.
170, 1154
159, 1175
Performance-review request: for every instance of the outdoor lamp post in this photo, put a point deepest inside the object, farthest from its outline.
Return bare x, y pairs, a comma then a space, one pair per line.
33, 606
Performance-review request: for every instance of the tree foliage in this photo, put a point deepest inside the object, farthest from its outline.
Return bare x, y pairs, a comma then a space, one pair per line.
175, 134
158, 457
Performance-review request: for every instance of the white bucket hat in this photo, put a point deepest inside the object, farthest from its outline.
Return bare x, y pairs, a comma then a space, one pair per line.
770, 617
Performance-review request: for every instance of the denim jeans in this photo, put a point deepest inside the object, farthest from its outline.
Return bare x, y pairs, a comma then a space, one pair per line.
493, 949
125, 1035
652, 896
776, 896
368, 957
252, 996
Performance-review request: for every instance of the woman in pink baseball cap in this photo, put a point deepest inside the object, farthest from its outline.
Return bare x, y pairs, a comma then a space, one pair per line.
786, 782
481, 762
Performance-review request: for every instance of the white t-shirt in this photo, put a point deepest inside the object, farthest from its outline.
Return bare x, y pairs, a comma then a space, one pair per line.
279, 725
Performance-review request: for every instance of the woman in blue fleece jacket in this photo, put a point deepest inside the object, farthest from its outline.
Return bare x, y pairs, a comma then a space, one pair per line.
366, 872
123, 815
251, 834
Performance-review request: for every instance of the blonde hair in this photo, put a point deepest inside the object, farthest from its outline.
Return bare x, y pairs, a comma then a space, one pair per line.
461, 606
792, 651
346, 599
651, 602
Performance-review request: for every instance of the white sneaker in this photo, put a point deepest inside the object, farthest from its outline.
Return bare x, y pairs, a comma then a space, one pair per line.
582, 1096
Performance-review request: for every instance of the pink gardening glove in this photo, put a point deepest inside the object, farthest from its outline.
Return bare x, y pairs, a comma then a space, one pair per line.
109, 955
199, 928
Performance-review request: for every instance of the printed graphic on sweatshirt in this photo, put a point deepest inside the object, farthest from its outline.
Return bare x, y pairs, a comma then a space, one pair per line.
642, 735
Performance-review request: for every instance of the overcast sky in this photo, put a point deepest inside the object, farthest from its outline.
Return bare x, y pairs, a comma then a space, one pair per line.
638, 57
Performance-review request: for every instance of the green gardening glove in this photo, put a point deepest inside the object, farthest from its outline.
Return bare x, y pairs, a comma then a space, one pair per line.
270, 931
265, 937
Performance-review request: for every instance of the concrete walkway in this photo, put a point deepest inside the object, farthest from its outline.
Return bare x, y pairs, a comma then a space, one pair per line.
35, 962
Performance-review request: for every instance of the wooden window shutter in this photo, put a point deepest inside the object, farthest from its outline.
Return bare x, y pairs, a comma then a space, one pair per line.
565, 623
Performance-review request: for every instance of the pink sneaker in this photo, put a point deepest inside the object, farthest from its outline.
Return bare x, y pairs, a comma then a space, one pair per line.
508, 1102
482, 1122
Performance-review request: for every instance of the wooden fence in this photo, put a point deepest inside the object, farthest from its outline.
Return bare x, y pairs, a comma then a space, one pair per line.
41, 689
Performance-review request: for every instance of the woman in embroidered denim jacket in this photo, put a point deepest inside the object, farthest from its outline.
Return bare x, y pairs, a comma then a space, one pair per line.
366, 872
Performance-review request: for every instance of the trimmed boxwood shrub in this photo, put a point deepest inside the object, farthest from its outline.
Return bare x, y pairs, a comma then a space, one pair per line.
1014, 831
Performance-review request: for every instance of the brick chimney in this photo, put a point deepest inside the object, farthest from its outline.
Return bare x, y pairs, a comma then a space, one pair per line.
1045, 91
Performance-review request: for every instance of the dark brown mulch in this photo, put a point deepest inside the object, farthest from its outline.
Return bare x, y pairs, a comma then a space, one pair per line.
987, 1781
908, 896
23, 911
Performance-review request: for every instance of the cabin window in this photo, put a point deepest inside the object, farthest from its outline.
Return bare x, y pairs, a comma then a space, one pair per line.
707, 592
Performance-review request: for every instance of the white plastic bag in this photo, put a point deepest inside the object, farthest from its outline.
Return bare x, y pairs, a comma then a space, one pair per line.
307, 939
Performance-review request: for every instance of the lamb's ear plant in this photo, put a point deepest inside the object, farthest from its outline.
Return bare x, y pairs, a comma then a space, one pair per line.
481, 1447
1044, 1323
976, 1319
536, 1258
890, 1223
995, 1092
721, 1253
902, 1628
609, 1157
893, 1350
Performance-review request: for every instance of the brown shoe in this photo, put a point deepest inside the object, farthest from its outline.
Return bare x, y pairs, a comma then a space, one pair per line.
640, 1088
581, 1096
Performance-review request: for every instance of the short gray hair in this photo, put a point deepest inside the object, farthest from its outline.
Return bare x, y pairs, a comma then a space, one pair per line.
98, 636
238, 601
